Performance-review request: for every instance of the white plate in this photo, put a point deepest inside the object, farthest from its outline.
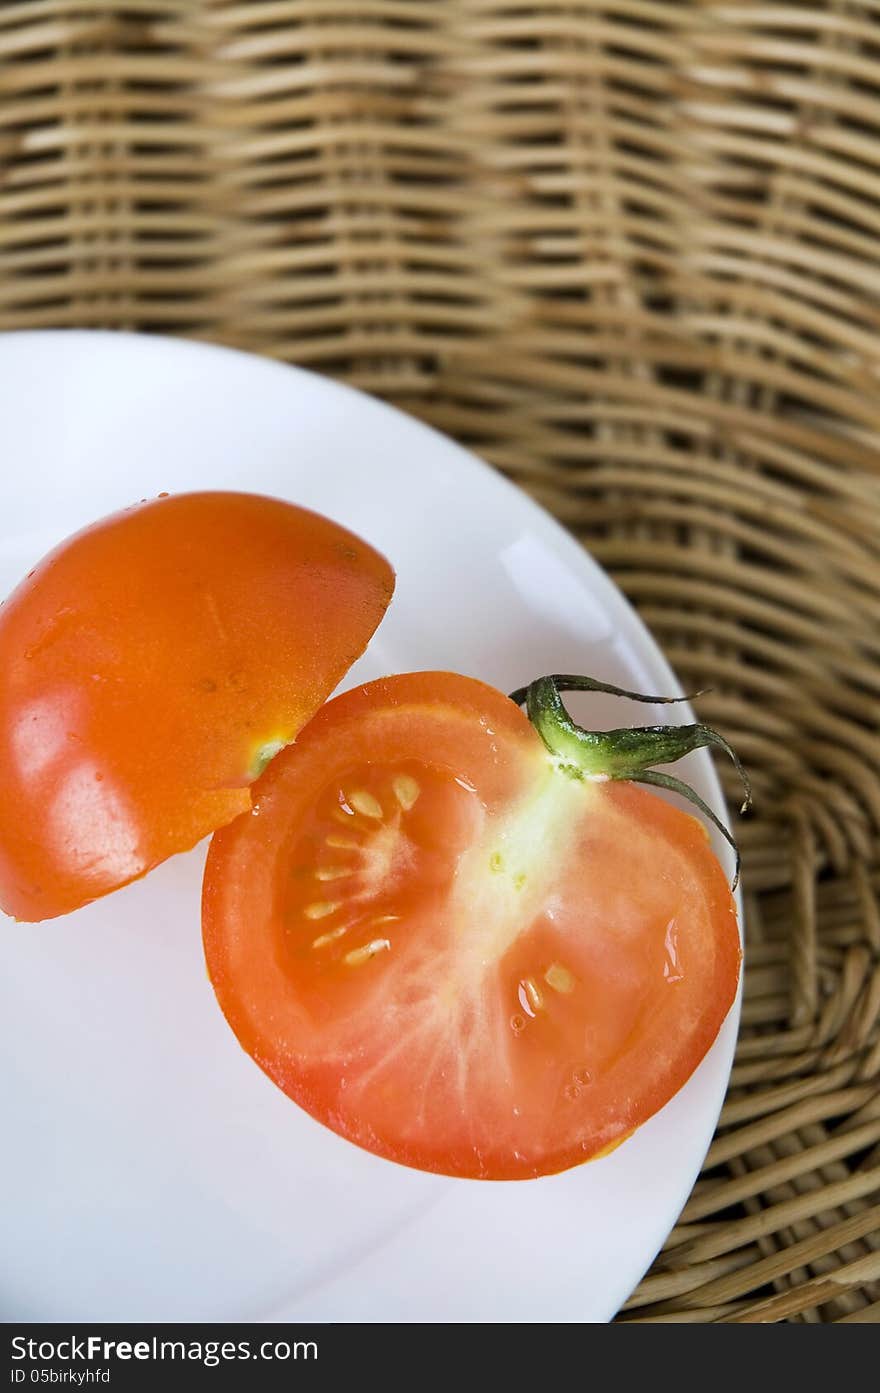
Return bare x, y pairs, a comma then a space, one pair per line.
149, 1170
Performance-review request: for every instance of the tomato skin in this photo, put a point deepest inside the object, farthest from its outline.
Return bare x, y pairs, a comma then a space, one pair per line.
499, 980
147, 665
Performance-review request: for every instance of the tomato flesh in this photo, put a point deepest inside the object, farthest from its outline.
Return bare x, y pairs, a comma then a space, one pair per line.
148, 669
454, 954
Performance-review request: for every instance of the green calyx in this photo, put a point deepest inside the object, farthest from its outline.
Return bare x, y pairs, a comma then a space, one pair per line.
629, 753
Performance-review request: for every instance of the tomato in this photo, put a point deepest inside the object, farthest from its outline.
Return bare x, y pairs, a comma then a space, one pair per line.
148, 669
456, 948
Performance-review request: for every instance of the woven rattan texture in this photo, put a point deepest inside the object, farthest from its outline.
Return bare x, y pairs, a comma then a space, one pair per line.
629, 251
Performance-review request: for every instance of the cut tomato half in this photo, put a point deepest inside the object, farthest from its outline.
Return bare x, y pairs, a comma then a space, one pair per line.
149, 667
452, 952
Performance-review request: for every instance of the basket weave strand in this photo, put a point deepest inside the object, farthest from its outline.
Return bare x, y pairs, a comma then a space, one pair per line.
630, 253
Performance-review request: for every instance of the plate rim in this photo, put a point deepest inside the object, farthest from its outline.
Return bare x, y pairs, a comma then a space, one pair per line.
575, 555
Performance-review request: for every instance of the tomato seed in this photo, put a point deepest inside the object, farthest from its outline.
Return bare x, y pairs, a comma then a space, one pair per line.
406, 791
320, 909
323, 939
365, 803
560, 979
369, 950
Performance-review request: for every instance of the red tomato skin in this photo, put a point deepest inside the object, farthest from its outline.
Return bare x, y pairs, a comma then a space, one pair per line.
145, 664
636, 850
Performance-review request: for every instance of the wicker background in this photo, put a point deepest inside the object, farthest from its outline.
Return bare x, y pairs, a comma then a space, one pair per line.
629, 252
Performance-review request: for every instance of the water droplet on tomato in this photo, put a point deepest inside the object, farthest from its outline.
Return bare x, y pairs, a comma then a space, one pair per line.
530, 998
517, 1023
571, 1091
672, 969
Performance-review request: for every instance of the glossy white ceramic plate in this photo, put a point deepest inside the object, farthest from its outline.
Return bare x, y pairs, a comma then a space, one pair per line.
149, 1170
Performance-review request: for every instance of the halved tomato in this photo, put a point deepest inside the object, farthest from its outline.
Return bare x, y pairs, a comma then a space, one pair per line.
457, 949
148, 669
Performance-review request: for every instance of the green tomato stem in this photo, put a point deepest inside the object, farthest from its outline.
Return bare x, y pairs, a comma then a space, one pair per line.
627, 753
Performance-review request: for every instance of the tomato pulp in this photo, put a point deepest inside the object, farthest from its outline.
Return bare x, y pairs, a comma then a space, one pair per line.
455, 953
148, 669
